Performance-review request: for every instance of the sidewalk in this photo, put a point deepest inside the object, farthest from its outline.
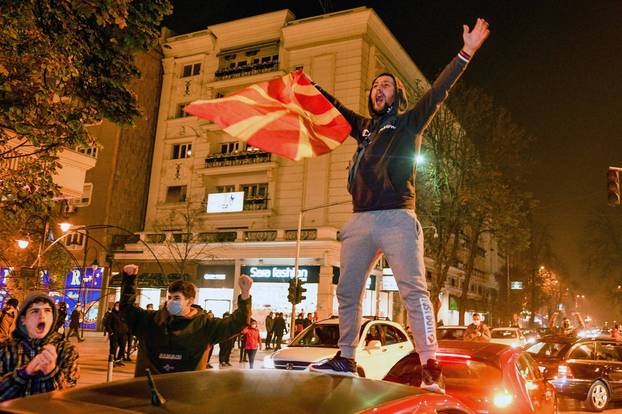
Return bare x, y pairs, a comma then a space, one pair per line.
93, 360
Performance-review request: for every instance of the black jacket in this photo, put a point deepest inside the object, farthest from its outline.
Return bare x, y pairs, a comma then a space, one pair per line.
172, 343
279, 326
384, 177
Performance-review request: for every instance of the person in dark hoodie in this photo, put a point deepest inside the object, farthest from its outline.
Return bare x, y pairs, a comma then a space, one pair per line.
37, 359
381, 182
176, 337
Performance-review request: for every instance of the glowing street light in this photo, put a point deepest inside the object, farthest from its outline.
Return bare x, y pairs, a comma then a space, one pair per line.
23, 243
64, 227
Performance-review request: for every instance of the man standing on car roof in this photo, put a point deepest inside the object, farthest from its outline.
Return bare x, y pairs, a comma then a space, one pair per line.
384, 221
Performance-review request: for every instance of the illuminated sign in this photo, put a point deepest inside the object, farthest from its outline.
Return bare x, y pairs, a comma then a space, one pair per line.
92, 278
309, 274
214, 276
5, 272
225, 202
516, 285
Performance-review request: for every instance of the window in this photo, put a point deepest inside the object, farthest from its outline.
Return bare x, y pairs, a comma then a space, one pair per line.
255, 196
225, 188
229, 147
180, 113
583, 351
176, 194
528, 368
191, 70
182, 151
374, 334
85, 198
608, 351
393, 335
75, 240
90, 151
182, 237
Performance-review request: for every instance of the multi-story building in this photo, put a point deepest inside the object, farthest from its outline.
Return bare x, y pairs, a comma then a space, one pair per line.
112, 202
194, 161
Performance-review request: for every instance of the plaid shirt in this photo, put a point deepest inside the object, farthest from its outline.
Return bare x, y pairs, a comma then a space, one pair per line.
18, 352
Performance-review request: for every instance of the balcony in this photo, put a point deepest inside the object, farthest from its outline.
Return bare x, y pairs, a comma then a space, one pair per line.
237, 158
246, 70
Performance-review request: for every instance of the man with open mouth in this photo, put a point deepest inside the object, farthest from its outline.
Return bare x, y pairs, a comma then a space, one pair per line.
36, 359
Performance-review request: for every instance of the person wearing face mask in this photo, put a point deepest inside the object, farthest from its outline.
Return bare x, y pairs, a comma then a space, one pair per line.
382, 185
37, 358
178, 337
477, 331
253, 342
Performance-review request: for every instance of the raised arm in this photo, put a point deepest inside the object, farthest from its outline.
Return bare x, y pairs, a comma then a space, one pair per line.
355, 120
134, 316
426, 107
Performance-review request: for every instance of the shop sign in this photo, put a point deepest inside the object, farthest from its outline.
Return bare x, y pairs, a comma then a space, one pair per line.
5, 272
308, 274
214, 276
369, 285
92, 278
90, 306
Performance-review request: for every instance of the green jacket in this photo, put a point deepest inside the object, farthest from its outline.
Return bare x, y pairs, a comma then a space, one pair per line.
175, 343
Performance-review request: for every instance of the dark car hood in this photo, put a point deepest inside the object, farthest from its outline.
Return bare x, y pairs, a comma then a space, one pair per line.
231, 391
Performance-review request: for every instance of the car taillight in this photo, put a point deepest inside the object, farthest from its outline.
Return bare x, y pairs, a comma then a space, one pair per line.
563, 371
448, 357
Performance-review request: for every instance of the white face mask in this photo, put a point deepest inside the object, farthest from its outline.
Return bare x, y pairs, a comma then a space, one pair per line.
476, 322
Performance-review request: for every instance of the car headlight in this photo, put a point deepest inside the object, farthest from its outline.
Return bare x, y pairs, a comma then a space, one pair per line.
531, 340
502, 399
268, 362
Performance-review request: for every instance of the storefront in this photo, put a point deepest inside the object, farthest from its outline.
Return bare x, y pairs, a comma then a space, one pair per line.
82, 286
215, 284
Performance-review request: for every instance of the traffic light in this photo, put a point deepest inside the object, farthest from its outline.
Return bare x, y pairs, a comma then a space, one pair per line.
299, 292
613, 186
291, 296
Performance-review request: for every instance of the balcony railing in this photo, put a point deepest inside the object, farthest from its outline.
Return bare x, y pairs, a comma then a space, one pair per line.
246, 70
218, 237
237, 158
305, 234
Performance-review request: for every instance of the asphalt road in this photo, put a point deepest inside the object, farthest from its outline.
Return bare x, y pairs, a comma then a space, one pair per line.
93, 369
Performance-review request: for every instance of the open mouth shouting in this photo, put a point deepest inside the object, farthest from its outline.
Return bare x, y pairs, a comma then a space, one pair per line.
38, 320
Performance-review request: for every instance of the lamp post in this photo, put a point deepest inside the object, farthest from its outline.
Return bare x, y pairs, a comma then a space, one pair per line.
297, 257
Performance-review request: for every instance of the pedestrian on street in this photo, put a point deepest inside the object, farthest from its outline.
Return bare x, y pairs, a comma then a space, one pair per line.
36, 359
74, 323
381, 182
7, 319
280, 328
477, 331
308, 321
253, 342
225, 347
176, 337
242, 347
269, 330
61, 309
118, 331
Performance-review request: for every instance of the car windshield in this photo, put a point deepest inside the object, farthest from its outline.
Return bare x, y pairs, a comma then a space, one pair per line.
548, 349
503, 333
471, 374
450, 333
324, 336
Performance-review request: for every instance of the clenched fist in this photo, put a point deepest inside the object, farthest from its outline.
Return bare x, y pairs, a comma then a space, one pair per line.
245, 284
130, 269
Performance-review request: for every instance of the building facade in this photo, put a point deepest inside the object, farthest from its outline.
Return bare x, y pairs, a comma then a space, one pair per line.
194, 161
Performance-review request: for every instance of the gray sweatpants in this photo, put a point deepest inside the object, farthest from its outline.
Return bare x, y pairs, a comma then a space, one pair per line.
397, 234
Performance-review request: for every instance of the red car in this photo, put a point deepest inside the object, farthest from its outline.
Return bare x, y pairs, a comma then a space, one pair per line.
487, 377
241, 392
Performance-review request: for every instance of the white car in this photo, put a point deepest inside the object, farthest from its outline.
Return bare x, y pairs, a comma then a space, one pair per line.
382, 343
508, 336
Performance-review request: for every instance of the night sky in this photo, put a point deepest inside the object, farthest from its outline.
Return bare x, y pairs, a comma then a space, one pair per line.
553, 64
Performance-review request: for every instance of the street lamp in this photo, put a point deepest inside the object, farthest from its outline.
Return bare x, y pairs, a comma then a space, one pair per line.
23, 243
297, 257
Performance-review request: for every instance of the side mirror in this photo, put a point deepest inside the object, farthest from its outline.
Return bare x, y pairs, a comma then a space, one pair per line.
375, 344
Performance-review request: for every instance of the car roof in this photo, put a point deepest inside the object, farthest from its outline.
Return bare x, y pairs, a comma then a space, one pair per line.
213, 390
488, 352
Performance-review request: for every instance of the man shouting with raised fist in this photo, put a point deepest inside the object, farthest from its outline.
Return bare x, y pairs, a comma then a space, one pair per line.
177, 337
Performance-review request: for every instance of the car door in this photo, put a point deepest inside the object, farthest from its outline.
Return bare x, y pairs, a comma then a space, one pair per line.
372, 359
540, 393
582, 362
610, 353
397, 343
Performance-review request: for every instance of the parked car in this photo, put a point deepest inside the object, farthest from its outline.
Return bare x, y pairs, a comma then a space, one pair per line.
531, 335
240, 392
489, 378
587, 369
450, 332
382, 343
508, 336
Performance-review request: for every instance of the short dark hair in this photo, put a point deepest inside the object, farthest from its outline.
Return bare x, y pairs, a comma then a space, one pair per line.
13, 302
184, 287
475, 314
